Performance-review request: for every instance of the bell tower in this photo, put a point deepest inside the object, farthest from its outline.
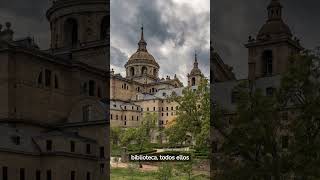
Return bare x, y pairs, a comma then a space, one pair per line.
268, 53
195, 76
80, 29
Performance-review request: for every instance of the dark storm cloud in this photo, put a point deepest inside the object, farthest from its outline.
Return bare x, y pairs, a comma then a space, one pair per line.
233, 21
30, 8
27, 19
120, 56
173, 30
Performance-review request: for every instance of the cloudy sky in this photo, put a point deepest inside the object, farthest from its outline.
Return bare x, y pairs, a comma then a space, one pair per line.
173, 29
27, 19
233, 21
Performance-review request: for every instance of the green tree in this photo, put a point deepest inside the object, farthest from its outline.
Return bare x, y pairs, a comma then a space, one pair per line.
261, 143
145, 131
165, 171
115, 133
193, 116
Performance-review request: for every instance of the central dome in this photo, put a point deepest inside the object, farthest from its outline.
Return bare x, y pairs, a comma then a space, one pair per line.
142, 57
142, 63
274, 28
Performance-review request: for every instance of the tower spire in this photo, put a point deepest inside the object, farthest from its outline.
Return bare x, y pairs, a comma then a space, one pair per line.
142, 43
142, 38
195, 65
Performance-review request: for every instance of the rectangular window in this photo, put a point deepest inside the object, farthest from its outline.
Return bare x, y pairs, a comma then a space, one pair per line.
137, 118
38, 175
101, 168
154, 108
171, 108
132, 118
92, 88
5, 173
86, 113
214, 147
73, 175
284, 116
111, 116
47, 78
22, 174
167, 108
102, 152
49, 175
147, 108
88, 149
285, 142
72, 146
269, 91
49, 145
88, 176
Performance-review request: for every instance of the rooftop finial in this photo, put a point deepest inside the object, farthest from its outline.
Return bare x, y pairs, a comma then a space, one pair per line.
195, 59
142, 38
142, 43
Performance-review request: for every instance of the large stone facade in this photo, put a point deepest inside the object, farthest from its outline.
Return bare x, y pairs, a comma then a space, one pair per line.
53, 109
268, 60
142, 91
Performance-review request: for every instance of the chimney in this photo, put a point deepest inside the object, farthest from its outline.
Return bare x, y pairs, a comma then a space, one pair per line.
7, 34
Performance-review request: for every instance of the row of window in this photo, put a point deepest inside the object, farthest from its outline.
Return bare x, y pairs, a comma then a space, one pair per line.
46, 79
124, 117
38, 174
269, 91
90, 88
71, 31
162, 109
230, 118
284, 144
49, 147
125, 107
124, 86
161, 122
172, 114
86, 88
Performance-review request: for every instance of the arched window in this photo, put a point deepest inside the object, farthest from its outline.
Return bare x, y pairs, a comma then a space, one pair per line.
47, 78
56, 82
144, 70
99, 92
86, 113
92, 88
155, 72
234, 96
84, 88
104, 28
193, 81
267, 61
71, 32
132, 71
40, 78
